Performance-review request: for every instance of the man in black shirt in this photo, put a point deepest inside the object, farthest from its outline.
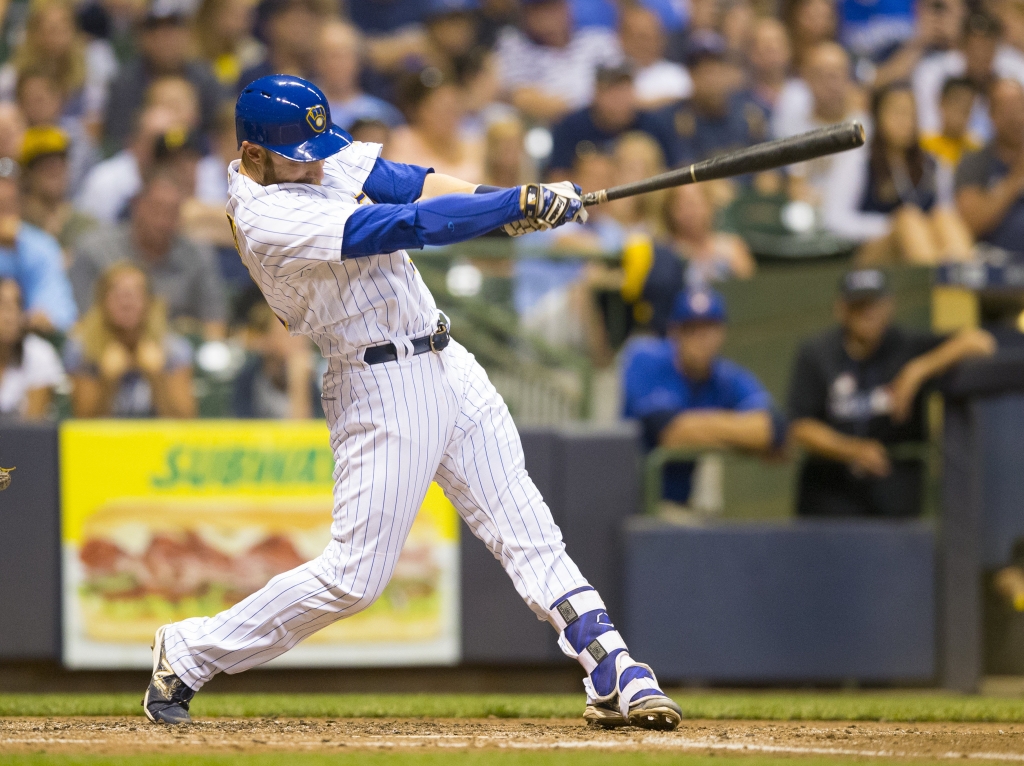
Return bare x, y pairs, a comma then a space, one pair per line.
990, 182
856, 390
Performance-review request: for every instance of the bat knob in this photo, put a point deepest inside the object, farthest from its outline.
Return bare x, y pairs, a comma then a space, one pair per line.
859, 134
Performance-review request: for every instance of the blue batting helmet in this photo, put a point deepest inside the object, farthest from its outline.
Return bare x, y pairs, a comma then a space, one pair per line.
289, 116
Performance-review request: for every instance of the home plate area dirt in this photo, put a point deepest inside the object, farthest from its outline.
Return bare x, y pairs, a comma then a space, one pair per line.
988, 742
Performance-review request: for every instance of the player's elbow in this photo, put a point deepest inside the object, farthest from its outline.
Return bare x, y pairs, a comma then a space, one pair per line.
381, 229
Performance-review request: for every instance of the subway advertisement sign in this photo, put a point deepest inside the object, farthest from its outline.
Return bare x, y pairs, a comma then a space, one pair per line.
164, 520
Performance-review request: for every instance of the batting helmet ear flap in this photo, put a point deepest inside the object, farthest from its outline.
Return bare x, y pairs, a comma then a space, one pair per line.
290, 117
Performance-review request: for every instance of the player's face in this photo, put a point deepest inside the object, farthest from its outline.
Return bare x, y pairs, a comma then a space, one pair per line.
698, 343
866, 321
284, 171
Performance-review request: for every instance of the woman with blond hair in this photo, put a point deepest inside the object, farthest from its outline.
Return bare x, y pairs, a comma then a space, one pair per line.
121, 358
53, 47
638, 156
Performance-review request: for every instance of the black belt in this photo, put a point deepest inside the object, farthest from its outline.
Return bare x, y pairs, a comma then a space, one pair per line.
388, 353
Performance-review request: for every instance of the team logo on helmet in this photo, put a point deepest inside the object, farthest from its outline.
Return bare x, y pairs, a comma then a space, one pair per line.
316, 116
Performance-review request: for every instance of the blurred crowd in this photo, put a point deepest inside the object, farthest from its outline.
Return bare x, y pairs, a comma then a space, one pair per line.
116, 128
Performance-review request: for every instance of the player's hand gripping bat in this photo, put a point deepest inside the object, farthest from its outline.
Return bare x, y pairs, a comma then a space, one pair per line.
752, 159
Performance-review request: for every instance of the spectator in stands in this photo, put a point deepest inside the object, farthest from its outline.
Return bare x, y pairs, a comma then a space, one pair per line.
434, 136
290, 29
598, 126
657, 80
371, 132
202, 214
277, 379
716, 118
637, 157
172, 111
824, 96
546, 69
452, 45
982, 59
505, 161
30, 369
810, 23
948, 146
223, 34
41, 104
183, 273
770, 58
122, 360
858, 390
164, 50
12, 130
937, 29
45, 181
686, 395
990, 182
691, 255
54, 48
953, 139
33, 258
337, 73
885, 195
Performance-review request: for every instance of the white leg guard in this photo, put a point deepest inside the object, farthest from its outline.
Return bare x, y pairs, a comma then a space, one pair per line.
587, 635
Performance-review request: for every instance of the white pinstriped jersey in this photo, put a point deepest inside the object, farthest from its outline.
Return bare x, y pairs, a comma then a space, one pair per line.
289, 237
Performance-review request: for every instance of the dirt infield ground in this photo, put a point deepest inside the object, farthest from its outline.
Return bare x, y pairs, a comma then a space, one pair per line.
832, 740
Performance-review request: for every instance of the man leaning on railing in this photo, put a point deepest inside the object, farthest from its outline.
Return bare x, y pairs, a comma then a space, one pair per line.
686, 396
856, 396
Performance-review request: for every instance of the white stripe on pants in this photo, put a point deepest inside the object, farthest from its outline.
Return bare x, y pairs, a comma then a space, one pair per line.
394, 427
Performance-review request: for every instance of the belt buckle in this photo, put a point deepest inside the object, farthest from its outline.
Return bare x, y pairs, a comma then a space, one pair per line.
442, 328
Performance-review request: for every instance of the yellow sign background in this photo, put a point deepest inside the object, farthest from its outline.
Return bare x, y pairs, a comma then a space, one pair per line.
212, 473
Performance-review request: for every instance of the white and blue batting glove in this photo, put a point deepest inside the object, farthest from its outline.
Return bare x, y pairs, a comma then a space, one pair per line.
547, 206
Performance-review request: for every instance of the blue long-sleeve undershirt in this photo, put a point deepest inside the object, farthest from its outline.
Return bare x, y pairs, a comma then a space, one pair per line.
443, 220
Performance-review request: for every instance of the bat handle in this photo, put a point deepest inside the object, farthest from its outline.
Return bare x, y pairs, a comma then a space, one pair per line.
595, 198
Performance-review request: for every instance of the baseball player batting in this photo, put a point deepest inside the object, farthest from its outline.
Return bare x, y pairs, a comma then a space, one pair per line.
323, 225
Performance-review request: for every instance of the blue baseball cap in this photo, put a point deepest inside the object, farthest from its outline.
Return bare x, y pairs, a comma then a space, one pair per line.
702, 305
290, 117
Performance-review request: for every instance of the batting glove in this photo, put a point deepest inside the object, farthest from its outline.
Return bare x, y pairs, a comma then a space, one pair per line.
547, 206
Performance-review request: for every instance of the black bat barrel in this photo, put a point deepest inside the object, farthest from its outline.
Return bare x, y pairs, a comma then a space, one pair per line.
752, 159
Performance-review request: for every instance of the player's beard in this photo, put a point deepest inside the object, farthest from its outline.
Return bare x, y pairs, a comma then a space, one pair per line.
310, 176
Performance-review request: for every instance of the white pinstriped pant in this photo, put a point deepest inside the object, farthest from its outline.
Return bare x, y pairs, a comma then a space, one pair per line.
395, 427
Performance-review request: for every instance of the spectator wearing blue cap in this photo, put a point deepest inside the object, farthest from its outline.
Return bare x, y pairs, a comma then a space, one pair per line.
857, 390
718, 117
686, 395
546, 69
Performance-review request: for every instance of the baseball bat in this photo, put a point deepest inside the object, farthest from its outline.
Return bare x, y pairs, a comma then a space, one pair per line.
752, 159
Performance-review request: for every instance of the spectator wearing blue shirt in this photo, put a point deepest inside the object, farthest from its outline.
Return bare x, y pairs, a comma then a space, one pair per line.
685, 395
717, 118
34, 260
597, 127
336, 64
